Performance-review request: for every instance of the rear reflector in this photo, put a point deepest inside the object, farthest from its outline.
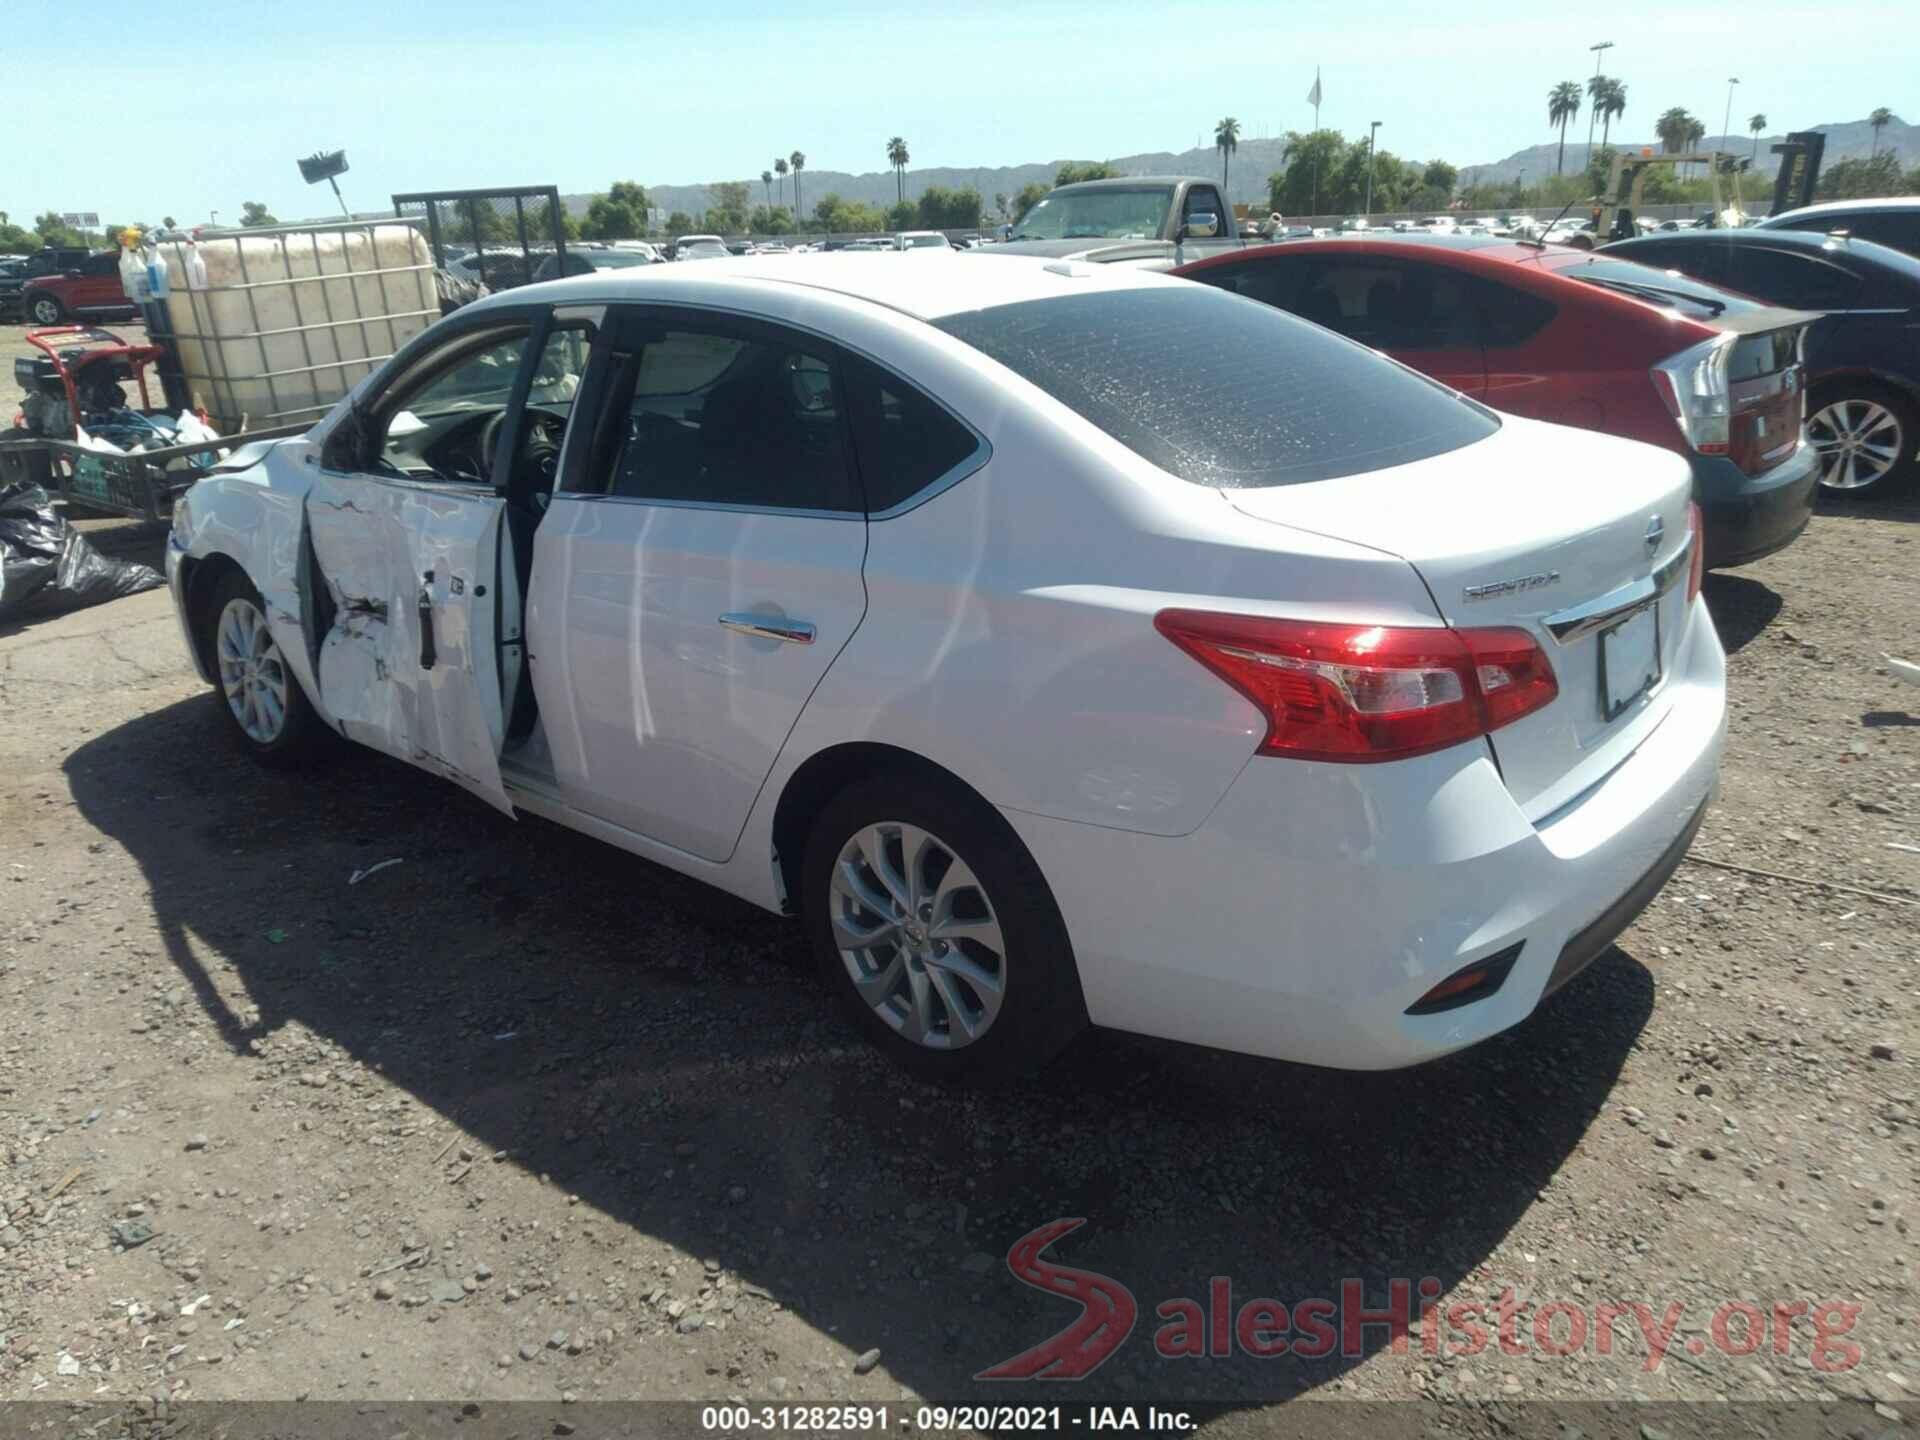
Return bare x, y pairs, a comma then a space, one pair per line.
1467, 985
1476, 982
1363, 693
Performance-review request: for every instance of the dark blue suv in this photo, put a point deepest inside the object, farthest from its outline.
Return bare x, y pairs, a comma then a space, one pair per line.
1862, 356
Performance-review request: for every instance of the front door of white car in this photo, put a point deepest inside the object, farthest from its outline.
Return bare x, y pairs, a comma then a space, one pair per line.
697, 574
407, 543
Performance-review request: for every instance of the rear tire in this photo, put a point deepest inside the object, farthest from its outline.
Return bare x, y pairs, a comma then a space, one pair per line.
46, 310
922, 891
1865, 435
266, 710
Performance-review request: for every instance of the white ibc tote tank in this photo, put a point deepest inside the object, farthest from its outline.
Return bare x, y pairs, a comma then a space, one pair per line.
289, 319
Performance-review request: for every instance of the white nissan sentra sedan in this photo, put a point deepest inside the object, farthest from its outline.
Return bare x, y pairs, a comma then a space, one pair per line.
1059, 644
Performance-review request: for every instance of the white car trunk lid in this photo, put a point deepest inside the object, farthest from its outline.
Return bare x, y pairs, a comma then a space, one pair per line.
1563, 532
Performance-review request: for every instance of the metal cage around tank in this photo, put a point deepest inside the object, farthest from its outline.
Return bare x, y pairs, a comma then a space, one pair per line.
307, 390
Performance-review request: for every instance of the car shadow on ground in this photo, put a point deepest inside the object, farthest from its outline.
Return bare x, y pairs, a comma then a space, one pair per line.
653, 1047
1901, 505
1741, 607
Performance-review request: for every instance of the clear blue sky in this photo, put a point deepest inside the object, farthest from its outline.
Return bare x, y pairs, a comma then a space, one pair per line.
201, 107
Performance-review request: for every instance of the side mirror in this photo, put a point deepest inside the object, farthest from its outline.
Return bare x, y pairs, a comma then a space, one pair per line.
1201, 225
403, 424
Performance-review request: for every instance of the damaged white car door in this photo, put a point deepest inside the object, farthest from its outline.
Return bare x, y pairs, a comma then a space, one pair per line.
407, 538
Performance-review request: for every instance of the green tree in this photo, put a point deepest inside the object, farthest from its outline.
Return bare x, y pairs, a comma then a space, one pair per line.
766, 185
620, 214
1861, 179
780, 170
897, 157
1879, 120
1312, 159
1673, 127
903, 216
798, 161
1073, 172
253, 214
680, 223
1441, 176
1563, 104
1756, 123
1000, 204
770, 220
942, 209
1226, 139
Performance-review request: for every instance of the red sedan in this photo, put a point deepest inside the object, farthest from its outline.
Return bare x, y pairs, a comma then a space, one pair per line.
1581, 339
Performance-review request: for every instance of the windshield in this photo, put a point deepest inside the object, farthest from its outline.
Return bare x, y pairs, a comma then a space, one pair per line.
1104, 214
1667, 289
1223, 391
921, 242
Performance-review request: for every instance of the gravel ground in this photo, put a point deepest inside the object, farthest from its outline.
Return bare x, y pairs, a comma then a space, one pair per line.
524, 1117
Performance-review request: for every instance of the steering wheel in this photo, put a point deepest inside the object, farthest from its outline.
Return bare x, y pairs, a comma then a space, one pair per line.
538, 462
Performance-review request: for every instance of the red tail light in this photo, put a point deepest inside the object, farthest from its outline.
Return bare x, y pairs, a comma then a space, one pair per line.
1697, 562
1360, 693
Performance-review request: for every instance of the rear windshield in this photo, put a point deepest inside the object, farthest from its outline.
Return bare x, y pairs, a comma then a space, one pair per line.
1223, 391
1668, 290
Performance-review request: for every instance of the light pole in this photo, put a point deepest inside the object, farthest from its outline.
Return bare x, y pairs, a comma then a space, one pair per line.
1372, 132
1598, 53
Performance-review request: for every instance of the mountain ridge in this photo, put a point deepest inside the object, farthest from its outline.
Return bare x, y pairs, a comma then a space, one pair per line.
1251, 164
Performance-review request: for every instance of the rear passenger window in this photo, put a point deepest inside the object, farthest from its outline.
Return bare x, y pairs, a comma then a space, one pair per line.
1509, 316
724, 418
1799, 282
1392, 306
905, 442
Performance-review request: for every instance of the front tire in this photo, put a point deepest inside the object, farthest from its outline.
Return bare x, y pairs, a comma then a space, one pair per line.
932, 922
267, 712
46, 310
1865, 435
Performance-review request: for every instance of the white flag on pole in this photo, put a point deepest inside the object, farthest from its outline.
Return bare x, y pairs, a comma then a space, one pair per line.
1313, 95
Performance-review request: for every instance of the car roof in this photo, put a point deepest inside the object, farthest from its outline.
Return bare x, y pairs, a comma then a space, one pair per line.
1841, 207
1812, 241
1130, 182
1387, 242
959, 283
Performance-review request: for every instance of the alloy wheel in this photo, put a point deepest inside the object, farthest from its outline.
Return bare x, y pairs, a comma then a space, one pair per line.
1858, 441
252, 672
918, 935
47, 312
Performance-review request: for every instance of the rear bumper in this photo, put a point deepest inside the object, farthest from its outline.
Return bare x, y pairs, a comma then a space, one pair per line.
1751, 516
1319, 902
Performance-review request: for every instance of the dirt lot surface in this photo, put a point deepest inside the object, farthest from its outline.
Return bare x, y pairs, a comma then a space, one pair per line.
521, 1116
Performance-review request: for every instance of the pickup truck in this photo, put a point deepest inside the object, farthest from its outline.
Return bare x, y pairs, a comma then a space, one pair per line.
1152, 222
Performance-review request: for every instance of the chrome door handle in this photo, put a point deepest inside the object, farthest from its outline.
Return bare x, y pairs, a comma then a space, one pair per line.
767, 627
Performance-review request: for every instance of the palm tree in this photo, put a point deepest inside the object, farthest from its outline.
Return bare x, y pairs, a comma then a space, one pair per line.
780, 169
766, 182
1226, 139
1878, 120
1613, 104
1696, 132
1673, 127
1755, 123
1563, 103
798, 160
897, 157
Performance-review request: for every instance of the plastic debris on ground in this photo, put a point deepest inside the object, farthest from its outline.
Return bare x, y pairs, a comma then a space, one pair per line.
46, 565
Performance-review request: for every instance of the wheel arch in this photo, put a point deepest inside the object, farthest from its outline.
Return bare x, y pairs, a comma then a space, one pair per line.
200, 577
825, 774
